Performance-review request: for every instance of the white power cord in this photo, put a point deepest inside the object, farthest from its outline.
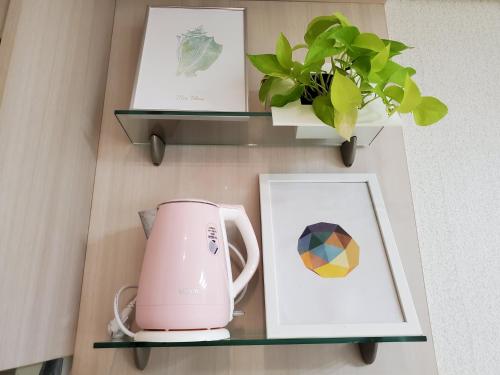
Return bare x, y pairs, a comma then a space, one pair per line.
116, 327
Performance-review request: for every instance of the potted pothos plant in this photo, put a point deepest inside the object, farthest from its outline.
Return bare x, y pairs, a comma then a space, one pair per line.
343, 71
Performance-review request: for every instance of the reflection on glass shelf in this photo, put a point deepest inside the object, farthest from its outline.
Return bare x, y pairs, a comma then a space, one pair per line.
257, 340
229, 128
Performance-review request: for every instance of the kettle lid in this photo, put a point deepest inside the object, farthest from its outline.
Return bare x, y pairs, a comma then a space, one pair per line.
188, 201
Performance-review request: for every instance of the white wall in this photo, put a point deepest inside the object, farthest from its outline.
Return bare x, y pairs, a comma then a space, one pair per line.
455, 174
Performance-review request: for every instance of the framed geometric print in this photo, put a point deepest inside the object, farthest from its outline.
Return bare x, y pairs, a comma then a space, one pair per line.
331, 263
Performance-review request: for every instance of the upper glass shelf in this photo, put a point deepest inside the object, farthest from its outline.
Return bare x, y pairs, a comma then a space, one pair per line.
257, 340
228, 128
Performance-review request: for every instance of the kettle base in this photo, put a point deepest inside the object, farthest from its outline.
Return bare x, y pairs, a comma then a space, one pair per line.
183, 336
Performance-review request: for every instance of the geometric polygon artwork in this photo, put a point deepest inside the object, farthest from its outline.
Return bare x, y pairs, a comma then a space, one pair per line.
328, 250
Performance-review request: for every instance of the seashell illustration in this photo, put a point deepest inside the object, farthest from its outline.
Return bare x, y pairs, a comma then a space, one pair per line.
196, 51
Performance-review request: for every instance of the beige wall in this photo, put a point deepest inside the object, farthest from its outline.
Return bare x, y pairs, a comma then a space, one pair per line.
126, 182
53, 69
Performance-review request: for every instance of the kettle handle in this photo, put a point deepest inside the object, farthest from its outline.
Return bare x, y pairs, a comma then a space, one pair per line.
238, 215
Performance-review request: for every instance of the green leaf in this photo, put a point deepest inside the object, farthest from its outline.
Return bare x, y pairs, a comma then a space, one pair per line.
362, 66
292, 95
268, 64
365, 86
284, 52
299, 46
355, 52
429, 111
345, 95
323, 109
345, 122
376, 78
281, 87
379, 61
320, 49
380, 92
394, 92
411, 98
389, 69
369, 41
344, 35
265, 87
343, 19
399, 76
317, 26
301, 73
313, 67
396, 47
296, 70
392, 72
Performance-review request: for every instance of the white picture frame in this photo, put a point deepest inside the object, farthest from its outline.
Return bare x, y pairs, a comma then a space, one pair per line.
192, 59
287, 313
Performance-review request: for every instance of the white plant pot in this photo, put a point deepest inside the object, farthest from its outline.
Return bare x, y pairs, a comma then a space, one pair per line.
371, 119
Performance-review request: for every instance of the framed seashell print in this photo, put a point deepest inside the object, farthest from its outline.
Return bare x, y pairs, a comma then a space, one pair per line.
192, 59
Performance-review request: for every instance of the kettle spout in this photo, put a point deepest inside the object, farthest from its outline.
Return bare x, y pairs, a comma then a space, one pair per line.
147, 219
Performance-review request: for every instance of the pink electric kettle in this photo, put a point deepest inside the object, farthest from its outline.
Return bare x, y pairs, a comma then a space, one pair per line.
186, 291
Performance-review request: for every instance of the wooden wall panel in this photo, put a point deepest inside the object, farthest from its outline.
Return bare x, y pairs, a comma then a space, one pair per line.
53, 69
4, 6
126, 182
10, 21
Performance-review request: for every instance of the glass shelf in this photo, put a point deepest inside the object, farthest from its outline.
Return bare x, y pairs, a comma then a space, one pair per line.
228, 128
256, 340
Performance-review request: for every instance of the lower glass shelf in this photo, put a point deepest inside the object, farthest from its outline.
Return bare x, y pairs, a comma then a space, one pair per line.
244, 341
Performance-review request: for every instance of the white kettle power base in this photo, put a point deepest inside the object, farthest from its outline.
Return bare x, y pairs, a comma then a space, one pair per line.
183, 336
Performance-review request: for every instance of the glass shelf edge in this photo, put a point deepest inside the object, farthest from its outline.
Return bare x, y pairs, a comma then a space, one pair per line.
152, 112
257, 342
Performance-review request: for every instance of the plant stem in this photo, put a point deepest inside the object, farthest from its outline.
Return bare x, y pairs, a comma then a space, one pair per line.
308, 96
369, 101
323, 83
317, 86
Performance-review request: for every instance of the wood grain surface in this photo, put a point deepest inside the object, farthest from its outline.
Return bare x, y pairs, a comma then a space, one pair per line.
126, 182
53, 67
4, 7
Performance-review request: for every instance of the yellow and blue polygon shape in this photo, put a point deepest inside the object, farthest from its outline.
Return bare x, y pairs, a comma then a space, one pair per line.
328, 250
